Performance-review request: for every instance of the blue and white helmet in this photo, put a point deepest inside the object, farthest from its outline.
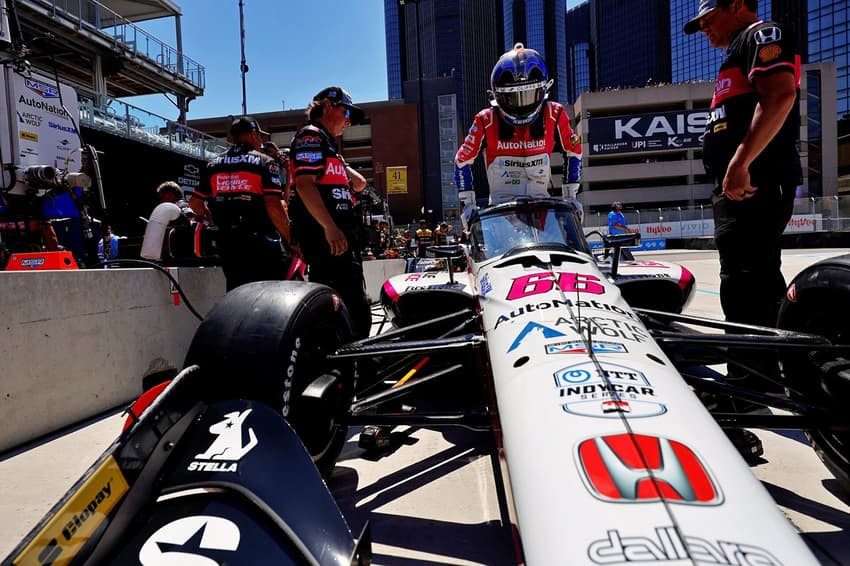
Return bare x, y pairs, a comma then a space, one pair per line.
520, 85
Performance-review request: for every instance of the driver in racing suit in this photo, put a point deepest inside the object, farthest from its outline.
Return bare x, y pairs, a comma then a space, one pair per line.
518, 134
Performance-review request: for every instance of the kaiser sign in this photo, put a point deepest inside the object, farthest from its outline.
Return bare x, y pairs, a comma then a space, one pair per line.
655, 131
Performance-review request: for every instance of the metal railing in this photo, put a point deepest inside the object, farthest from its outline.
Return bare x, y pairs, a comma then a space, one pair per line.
97, 18
128, 121
811, 214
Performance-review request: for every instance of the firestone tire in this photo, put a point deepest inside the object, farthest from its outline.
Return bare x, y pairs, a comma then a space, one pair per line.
268, 341
818, 302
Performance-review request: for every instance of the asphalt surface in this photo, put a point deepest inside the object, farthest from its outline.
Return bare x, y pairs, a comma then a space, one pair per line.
431, 498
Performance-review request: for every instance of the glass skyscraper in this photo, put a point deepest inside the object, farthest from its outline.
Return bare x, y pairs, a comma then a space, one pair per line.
540, 25
829, 40
630, 40
579, 52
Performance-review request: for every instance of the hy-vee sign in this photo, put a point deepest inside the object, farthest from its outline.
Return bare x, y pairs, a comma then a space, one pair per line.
682, 129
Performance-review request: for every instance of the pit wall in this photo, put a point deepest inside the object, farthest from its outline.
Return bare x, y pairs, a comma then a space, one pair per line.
77, 343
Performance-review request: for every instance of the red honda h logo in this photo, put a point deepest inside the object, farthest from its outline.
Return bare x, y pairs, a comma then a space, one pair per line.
641, 468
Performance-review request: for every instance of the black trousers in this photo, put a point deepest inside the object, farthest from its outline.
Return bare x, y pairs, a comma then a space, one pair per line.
245, 259
344, 274
748, 237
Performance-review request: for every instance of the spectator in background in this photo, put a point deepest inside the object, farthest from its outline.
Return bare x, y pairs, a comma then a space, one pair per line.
282, 159
107, 247
617, 220
441, 234
169, 191
424, 238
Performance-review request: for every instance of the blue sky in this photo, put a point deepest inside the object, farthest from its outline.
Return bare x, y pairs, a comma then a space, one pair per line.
293, 50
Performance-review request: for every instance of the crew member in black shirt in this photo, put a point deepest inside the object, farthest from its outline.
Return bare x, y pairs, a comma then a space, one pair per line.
242, 188
750, 152
321, 209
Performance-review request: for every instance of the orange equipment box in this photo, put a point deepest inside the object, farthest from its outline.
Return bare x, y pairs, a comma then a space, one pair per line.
41, 261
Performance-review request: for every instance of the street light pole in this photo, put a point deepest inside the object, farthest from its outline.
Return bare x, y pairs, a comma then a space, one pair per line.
243, 66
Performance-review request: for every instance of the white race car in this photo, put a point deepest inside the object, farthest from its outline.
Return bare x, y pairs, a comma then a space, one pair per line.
593, 385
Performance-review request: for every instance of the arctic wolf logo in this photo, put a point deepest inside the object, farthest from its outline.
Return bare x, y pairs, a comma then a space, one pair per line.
228, 445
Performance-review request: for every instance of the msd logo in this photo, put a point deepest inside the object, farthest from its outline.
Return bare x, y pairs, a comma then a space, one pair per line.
640, 468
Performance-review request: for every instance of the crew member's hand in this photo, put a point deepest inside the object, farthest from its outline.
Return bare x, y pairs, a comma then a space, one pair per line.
336, 240
736, 183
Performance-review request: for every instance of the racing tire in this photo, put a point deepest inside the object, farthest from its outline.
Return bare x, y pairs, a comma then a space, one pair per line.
269, 341
818, 302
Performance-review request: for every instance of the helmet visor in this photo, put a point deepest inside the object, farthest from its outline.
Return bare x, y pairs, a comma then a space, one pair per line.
520, 100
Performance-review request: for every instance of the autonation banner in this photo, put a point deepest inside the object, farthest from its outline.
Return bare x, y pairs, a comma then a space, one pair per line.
653, 131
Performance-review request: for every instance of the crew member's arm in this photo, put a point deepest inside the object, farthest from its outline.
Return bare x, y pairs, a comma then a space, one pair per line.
358, 181
777, 93
308, 192
198, 199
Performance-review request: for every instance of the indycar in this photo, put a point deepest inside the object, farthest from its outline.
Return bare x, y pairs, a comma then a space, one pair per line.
590, 378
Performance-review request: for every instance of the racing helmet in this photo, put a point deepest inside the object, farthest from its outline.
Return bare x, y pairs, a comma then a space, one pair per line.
520, 84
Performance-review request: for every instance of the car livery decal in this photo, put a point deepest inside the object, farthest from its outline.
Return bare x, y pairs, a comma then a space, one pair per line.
543, 282
581, 348
606, 391
228, 448
530, 328
669, 544
638, 468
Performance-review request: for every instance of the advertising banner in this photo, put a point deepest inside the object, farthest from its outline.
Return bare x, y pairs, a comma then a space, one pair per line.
42, 130
653, 131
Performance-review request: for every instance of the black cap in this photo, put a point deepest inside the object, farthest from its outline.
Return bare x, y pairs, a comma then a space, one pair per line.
245, 124
338, 95
705, 8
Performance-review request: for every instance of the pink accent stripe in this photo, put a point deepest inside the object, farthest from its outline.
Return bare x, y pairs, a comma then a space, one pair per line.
390, 291
685, 279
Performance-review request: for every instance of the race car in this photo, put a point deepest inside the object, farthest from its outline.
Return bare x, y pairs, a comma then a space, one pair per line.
592, 391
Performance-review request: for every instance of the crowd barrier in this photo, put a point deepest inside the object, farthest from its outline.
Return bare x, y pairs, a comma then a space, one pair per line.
77, 343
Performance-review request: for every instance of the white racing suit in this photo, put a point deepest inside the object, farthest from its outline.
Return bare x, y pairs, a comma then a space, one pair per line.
518, 157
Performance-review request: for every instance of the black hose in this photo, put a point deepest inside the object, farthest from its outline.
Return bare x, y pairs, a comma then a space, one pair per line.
118, 262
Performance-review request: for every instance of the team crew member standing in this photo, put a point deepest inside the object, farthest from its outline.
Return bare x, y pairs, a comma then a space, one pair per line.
242, 188
750, 150
518, 134
321, 209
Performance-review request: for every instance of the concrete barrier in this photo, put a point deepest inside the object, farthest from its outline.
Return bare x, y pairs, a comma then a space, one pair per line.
77, 343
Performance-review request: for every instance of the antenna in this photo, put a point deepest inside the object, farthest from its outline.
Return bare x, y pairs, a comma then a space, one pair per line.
243, 66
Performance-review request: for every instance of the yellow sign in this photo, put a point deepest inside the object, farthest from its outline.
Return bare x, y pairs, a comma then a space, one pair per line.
70, 528
29, 136
397, 180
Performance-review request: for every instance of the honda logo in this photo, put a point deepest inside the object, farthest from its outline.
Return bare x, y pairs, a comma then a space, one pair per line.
768, 35
641, 468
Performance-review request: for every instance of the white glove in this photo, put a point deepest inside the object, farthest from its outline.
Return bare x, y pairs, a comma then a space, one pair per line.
466, 215
570, 190
579, 208
466, 198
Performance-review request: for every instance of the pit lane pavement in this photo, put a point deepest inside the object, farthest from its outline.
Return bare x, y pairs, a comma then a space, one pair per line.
431, 499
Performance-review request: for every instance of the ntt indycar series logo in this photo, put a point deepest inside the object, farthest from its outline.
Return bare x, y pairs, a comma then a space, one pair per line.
607, 391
